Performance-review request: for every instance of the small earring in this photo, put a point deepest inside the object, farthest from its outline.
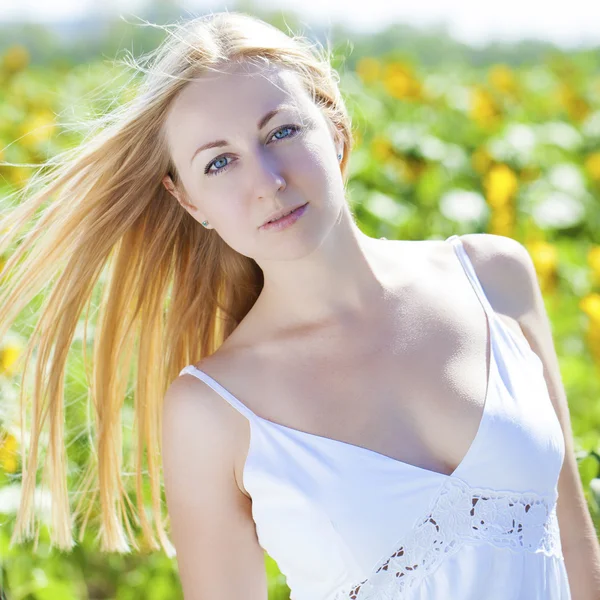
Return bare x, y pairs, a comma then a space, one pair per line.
339, 157
204, 223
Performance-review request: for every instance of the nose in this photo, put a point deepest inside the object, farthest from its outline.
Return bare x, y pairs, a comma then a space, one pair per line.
268, 179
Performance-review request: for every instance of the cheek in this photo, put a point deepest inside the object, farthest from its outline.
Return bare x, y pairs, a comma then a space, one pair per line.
229, 213
311, 167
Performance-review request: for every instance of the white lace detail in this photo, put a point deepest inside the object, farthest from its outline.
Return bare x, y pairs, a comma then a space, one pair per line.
460, 513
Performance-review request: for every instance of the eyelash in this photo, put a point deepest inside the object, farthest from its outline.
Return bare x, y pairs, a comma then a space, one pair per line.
294, 128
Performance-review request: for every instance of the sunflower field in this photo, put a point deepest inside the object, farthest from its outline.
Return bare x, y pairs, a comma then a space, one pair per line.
512, 150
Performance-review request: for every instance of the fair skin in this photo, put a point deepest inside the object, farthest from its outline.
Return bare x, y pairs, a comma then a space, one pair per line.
306, 266
302, 329
338, 343
300, 314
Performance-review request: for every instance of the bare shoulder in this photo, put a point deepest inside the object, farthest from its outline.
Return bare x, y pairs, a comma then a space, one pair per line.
499, 250
213, 531
192, 408
191, 397
505, 269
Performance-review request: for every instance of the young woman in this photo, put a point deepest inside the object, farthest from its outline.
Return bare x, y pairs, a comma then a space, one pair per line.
369, 412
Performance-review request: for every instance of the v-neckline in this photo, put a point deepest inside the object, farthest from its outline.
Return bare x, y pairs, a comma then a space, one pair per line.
477, 440
406, 465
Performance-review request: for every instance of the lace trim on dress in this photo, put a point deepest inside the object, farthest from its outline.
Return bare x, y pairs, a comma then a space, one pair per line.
525, 522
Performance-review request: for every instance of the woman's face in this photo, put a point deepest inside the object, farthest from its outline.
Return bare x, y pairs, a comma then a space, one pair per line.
260, 161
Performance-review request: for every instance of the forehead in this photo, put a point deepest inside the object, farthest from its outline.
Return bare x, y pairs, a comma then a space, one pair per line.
241, 91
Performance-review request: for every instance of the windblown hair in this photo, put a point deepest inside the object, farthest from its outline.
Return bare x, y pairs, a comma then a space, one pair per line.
170, 291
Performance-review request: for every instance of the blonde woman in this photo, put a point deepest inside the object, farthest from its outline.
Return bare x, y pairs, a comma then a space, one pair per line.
384, 417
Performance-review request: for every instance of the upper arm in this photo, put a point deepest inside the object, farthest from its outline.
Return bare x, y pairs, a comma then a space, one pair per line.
508, 271
218, 554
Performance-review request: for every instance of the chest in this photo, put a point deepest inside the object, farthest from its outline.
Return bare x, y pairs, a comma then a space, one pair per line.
411, 387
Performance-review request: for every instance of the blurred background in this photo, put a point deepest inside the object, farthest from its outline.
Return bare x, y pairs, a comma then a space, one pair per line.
466, 121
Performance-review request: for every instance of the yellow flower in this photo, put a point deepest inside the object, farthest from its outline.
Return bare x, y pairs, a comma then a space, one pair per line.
9, 354
502, 222
590, 305
38, 128
544, 256
502, 78
18, 176
481, 160
400, 82
500, 185
16, 58
592, 165
368, 69
381, 147
576, 106
545, 259
594, 258
8, 453
484, 108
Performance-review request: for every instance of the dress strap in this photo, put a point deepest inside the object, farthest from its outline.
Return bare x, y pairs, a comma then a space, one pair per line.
470, 272
217, 387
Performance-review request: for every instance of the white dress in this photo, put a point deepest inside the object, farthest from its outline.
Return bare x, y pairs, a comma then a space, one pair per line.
347, 523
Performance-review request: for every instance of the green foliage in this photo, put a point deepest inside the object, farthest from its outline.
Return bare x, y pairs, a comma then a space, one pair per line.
513, 150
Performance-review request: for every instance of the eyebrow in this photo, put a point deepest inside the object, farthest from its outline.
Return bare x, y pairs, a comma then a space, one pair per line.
261, 123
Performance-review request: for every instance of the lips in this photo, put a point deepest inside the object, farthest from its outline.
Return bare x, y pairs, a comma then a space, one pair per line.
282, 213
280, 216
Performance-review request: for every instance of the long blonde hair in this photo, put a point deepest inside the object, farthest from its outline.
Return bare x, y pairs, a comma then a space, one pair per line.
172, 291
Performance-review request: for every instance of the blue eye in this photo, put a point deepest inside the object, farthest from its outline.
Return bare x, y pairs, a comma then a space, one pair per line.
294, 128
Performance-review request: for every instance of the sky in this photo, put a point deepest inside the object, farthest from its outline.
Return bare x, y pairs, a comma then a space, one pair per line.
566, 23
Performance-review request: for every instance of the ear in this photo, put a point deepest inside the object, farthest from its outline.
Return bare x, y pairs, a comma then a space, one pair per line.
176, 193
180, 197
170, 187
